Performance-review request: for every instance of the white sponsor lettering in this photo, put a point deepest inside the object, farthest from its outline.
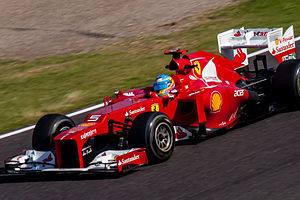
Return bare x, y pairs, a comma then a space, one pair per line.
128, 94
289, 57
132, 112
87, 150
127, 160
222, 124
192, 77
88, 134
238, 93
191, 94
282, 48
279, 43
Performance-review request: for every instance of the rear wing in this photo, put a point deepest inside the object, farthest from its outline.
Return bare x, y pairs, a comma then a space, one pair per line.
233, 43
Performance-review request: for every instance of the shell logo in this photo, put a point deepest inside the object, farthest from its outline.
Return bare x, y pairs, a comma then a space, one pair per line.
87, 124
216, 101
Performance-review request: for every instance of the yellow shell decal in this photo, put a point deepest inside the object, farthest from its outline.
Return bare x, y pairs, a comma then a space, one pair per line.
87, 124
75, 129
216, 101
155, 107
197, 68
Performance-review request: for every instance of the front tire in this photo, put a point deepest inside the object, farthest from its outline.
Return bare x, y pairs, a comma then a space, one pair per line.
47, 128
153, 131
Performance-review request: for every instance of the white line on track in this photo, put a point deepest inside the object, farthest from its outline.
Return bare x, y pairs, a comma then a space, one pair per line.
69, 115
28, 128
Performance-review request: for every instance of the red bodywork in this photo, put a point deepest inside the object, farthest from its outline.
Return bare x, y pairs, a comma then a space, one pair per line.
205, 92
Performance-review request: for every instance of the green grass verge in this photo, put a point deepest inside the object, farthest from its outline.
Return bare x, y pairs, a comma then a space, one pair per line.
60, 84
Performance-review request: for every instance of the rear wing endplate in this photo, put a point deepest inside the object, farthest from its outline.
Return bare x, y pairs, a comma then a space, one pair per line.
233, 43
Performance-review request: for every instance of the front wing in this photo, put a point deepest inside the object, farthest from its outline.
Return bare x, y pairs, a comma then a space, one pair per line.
31, 161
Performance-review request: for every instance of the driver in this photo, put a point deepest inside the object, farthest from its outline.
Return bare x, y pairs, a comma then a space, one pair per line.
163, 85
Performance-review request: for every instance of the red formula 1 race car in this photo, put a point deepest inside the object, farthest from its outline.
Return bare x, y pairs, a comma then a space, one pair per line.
207, 93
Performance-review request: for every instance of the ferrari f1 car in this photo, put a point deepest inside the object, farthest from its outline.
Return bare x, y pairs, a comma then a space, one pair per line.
207, 93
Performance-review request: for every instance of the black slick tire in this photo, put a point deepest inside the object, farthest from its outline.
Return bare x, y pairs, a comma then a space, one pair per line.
286, 83
153, 131
47, 128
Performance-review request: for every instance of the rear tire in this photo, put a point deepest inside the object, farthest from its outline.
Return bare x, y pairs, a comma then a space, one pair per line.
153, 131
47, 128
286, 83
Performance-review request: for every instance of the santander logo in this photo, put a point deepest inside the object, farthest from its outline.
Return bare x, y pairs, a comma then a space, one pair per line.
180, 133
283, 46
240, 56
237, 34
48, 159
128, 160
279, 44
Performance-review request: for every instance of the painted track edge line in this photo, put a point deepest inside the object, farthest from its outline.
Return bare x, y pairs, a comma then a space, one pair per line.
32, 126
101, 104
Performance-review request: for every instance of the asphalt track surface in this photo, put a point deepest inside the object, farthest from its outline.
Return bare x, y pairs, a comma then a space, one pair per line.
257, 161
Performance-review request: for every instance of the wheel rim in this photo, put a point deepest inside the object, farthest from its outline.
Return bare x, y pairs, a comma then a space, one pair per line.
163, 137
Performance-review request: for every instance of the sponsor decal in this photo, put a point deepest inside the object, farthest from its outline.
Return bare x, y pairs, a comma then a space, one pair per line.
260, 34
180, 134
192, 77
86, 124
215, 101
257, 33
86, 150
94, 118
132, 112
191, 94
281, 43
282, 48
155, 107
48, 159
237, 34
291, 56
75, 129
128, 160
18, 158
222, 124
88, 134
240, 56
128, 94
238, 93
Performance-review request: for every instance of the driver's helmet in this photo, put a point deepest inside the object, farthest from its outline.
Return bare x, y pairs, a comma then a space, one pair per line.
163, 85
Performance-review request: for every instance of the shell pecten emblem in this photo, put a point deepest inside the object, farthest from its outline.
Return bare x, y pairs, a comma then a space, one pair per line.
215, 101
